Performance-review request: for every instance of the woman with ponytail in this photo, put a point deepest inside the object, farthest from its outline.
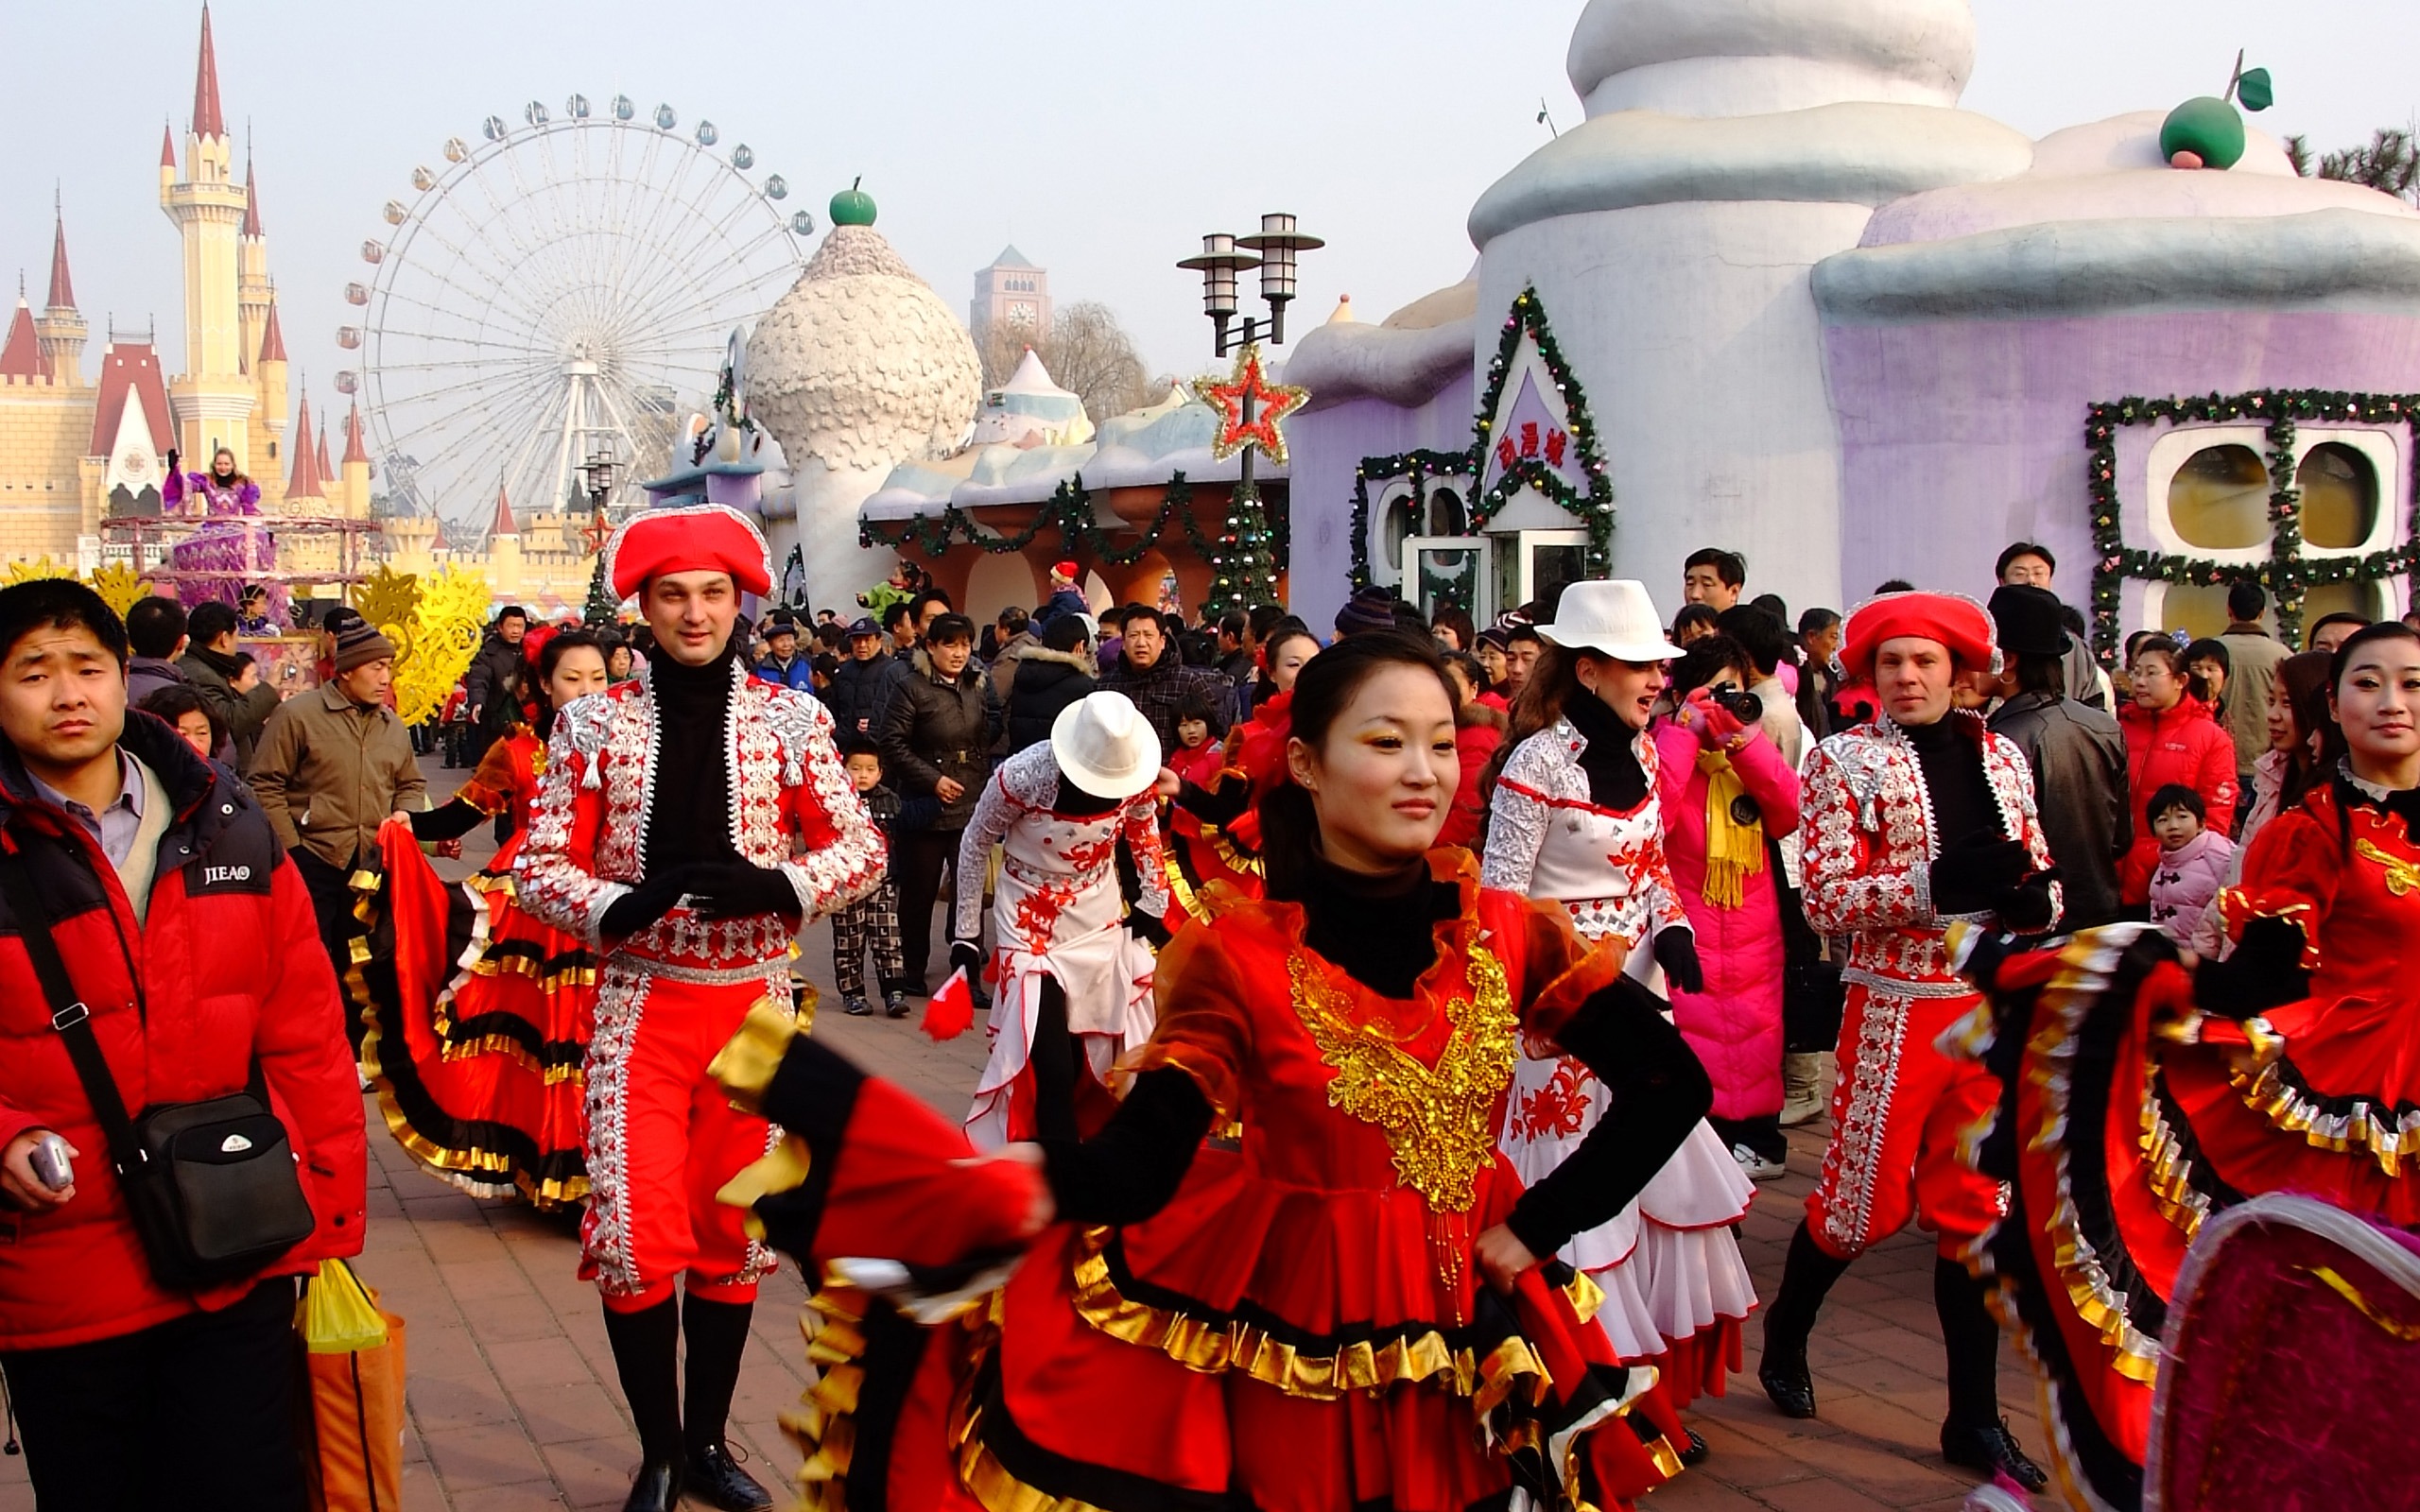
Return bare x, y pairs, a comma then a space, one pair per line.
1347, 1298
1577, 821
482, 1015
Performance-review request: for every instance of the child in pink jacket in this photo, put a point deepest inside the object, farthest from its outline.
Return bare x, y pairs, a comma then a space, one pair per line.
2193, 862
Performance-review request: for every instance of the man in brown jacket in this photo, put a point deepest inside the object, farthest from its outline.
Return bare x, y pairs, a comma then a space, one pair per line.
333, 764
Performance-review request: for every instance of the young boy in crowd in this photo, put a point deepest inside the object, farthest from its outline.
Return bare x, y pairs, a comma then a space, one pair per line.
2193, 860
873, 920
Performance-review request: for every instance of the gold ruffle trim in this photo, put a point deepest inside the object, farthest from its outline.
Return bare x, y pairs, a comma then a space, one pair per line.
1249, 1350
746, 1064
2290, 1110
822, 1425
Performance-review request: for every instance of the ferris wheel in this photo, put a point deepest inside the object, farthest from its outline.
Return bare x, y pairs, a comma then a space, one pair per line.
562, 288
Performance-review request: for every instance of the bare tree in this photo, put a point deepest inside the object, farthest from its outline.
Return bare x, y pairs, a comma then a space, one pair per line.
2389, 163
1087, 351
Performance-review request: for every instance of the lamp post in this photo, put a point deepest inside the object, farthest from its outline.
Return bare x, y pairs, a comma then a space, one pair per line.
1273, 250
599, 474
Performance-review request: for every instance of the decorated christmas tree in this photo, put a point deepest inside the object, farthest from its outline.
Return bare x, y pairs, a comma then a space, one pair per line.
598, 612
1244, 565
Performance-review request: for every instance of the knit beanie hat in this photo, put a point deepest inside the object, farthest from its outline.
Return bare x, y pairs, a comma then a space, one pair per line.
1372, 608
359, 644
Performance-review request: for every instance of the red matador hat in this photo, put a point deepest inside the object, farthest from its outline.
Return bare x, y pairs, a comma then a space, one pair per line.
1953, 619
695, 538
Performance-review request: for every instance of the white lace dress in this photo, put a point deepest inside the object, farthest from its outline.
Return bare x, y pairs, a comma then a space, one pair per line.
1056, 913
1668, 1264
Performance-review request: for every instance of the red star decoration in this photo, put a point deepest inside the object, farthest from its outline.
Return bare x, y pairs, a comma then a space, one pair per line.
596, 533
1271, 402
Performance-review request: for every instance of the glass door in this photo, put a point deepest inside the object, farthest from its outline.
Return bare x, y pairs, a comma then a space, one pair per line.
1440, 570
1538, 565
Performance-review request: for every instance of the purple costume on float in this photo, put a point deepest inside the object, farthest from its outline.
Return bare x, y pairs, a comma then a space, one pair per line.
233, 551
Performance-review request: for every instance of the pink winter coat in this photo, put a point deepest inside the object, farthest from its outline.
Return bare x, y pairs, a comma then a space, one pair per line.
2184, 880
1735, 1024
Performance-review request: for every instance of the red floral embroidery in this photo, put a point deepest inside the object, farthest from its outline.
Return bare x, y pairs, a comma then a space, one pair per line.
1559, 1109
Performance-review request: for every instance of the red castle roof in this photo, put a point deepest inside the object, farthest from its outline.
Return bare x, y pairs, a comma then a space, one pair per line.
505, 524
304, 481
130, 373
21, 354
327, 473
207, 119
63, 293
167, 146
252, 197
354, 449
272, 339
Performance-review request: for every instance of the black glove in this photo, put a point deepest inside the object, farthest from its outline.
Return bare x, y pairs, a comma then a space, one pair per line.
1149, 928
969, 955
173, 455
649, 900
2265, 972
1973, 874
2026, 907
736, 889
1676, 951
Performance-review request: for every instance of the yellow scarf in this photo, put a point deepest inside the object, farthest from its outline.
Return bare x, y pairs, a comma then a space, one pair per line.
1732, 850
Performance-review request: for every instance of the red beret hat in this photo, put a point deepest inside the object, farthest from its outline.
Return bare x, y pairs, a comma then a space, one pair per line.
1953, 619
698, 538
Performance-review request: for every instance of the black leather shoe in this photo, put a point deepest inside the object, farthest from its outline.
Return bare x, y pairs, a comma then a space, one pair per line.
1783, 1375
657, 1489
1695, 1450
715, 1479
1993, 1449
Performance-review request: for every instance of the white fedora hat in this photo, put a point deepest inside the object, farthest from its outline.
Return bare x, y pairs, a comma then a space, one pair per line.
1615, 619
1104, 745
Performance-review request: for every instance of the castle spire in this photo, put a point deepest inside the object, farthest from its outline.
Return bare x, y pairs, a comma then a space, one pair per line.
167, 146
304, 482
21, 354
355, 449
62, 292
272, 339
324, 469
505, 524
251, 194
207, 118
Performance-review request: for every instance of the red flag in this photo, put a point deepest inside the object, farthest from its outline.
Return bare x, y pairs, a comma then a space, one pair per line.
950, 1012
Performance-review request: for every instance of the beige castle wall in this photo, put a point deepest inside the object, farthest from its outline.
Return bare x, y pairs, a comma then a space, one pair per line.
43, 430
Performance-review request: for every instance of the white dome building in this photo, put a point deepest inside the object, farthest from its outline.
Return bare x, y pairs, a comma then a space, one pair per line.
860, 368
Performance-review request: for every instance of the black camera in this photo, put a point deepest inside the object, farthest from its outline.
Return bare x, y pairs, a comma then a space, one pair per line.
1744, 706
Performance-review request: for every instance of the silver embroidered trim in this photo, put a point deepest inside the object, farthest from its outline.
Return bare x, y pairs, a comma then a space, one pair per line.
1896, 986
1853, 1164
701, 975
621, 1001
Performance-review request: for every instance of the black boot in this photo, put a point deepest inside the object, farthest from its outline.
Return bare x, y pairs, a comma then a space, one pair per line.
1975, 1437
1805, 1278
646, 1347
717, 1336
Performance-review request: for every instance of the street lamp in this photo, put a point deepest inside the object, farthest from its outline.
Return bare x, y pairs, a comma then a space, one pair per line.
600, 472
1250, 406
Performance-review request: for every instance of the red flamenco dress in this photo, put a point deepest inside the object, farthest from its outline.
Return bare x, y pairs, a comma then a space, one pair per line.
2144, 1104
1214, 826
482, 1015
1288, 1317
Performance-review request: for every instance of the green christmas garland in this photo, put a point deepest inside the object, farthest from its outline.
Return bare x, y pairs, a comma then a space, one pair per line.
1069, 511
1593, 505
2287, 575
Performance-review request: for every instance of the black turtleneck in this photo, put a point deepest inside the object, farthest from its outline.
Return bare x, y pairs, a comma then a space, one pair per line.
1616, 780
1963, 810
690, 819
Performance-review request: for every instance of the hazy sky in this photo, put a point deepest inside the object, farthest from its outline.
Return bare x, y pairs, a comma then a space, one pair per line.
1101, 138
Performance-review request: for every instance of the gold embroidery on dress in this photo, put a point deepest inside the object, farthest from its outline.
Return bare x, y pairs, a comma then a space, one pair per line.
1439, 1123
2401, 876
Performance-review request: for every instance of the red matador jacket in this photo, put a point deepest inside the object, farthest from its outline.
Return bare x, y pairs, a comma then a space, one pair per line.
1868, 825
792, 805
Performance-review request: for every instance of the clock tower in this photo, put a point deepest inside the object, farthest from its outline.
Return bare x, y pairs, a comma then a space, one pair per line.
1014, 292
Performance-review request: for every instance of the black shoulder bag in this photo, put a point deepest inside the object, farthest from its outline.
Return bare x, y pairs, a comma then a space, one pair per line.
212, 1185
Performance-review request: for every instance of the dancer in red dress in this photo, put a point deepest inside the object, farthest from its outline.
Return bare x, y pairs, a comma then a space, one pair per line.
2147, 1093
480, 1065
687, 825
1920, 818
1339, 1306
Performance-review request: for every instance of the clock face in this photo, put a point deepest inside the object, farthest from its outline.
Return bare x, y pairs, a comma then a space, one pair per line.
1020, 314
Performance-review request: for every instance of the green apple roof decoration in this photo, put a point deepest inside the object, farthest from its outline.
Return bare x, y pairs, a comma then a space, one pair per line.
2205, 133
853, 206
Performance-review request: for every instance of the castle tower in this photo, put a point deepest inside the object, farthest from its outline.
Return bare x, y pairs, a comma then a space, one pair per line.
504, 549
61, 330
1014, 292
327, 474
253, 292
268, 419
213, 400
20, 352
355, 466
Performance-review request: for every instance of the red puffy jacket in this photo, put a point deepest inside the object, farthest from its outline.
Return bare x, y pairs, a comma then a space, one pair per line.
225, 967
2185, 745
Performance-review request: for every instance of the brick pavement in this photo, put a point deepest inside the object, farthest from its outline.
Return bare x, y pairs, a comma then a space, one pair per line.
512, 1403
